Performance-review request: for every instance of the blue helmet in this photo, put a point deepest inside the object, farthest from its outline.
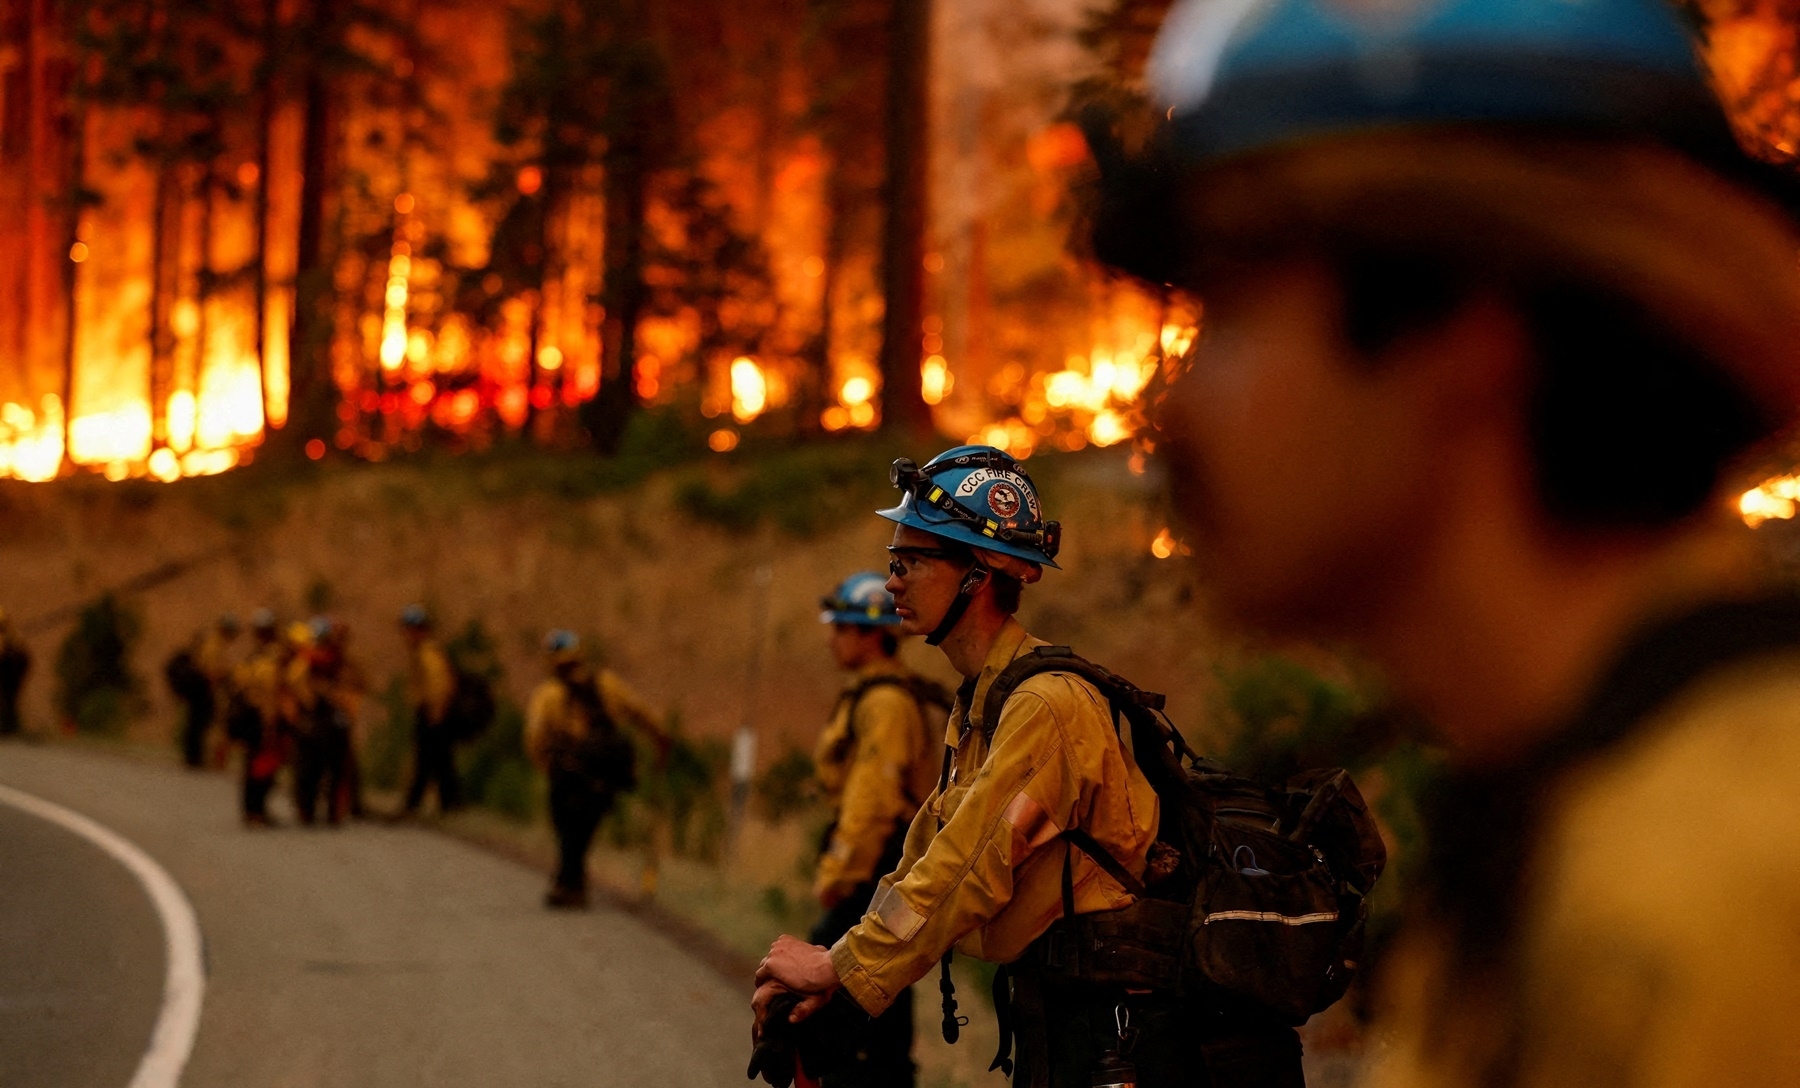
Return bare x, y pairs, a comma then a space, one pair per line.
414, 615
1240, 75
861, 599
979, 496
563, 646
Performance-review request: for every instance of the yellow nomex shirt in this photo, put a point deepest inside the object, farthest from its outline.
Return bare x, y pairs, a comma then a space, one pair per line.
877, 760
990, 882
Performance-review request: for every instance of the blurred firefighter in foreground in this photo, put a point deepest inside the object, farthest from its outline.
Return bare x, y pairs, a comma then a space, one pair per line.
1495, 310
324, 694
199, 675
254, 714
877, 760
582, 729
15, 663
1036, 842
431, 688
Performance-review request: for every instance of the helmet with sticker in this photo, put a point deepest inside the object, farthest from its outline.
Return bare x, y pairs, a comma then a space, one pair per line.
978, 496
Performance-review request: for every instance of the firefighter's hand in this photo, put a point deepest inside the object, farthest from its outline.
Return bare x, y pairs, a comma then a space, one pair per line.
797, 967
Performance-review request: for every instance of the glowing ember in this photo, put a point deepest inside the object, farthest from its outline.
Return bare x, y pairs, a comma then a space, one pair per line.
935, 380
749, 389
1772, 499
1164, 545
723, 440
31, 443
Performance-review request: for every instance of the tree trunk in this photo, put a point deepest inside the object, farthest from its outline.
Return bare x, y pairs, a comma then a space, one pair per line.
75, 195
162, 265
626, 190
310, 390
837, 239
265, 123
903, 241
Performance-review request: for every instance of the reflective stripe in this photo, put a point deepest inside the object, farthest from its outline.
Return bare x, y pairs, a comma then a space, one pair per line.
898, 918
1031, 822
1268, 916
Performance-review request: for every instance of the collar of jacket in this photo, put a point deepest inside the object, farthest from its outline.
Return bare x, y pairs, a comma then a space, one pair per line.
1012, 641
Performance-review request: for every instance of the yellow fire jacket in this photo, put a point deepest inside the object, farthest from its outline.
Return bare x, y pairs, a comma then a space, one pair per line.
259, 677
551, 714
990, 882
1659, 947
211, 656
431, 680
876, 770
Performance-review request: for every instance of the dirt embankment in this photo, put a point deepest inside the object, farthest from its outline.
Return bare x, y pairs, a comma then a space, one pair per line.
662, 576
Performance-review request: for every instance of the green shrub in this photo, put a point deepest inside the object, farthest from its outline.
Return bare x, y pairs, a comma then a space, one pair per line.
390, 740
786, 788
803, 490
494, 769
685, 793
96, 686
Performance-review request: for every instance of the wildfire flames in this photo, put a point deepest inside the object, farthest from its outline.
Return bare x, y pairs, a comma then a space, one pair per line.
168, 369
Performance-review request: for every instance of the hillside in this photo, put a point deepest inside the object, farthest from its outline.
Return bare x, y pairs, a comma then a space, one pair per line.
659, 572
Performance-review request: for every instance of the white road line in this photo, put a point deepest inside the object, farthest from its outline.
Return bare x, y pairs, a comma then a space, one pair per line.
172, 1040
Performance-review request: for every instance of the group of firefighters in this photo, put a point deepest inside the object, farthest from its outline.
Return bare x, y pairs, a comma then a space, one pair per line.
1497, 310
294, 700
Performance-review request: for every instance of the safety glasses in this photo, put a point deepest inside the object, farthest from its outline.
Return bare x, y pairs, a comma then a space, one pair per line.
903, 559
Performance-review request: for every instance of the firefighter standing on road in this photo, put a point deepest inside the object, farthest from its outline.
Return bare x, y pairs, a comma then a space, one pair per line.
200, 674
15, 662
983, 870
325, 690
254, 719
877, 760
582, 730
431, 687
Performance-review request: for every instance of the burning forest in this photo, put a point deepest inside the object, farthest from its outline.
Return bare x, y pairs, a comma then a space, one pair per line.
334, 228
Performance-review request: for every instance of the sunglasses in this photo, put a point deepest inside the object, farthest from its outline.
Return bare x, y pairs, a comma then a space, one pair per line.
904, 558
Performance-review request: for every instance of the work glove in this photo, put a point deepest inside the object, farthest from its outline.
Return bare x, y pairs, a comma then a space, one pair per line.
825, 1043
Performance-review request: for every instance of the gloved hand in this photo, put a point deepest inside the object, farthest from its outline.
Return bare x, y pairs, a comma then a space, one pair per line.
823, 1044
776, 1057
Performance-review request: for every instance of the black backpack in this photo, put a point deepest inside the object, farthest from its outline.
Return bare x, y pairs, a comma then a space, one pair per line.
925, 692
472, 705
1259, 890
605, 757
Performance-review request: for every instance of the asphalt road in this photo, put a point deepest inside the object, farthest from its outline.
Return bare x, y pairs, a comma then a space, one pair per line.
372, 956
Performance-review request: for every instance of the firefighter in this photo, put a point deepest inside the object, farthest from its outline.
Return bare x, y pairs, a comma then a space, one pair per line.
583, 730
254, 718
431, 686
877, 760
987, 867
199, 674
324, 690
1498, 313
15, 663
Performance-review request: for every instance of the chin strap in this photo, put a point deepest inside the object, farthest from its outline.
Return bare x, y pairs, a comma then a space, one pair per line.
964, 594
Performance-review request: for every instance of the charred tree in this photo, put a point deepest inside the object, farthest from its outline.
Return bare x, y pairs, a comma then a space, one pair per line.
903, 236
311, 392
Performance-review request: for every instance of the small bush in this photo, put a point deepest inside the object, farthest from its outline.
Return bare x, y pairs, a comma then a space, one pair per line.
390, 740
786, 788
96, 686
494, 769
802, 490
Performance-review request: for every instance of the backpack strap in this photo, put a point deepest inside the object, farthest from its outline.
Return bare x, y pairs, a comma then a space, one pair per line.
1118, 691
1121, 695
